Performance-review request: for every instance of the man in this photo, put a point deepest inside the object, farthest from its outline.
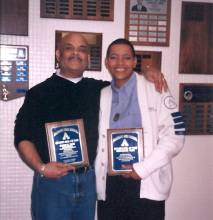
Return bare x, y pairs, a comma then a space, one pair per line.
139, 6
59, 190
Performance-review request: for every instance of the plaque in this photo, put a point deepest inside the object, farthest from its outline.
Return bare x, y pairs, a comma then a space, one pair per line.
125, 147
196, 39
67, 142
14, 17
196, 105
95, 48
14, 71
146, 59
148, 22
101, 10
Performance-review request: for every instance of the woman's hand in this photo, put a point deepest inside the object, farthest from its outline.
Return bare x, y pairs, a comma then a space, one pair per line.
131, 174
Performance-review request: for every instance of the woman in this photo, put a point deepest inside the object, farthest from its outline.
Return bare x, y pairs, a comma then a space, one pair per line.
132, 102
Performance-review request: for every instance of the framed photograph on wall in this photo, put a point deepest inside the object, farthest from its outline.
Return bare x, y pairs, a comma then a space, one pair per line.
95, 47
148, 22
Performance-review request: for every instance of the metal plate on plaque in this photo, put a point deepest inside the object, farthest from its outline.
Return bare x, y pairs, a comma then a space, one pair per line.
67, 142
125, 147
196, 104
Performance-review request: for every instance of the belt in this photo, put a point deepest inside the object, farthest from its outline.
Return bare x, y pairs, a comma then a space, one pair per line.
81, 169
78, 170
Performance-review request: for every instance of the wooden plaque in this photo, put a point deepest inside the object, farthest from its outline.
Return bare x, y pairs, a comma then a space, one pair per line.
67, 142
196, 40
14, 17
101, 10
125, 147
196, 105
146, 59
95, 47
149, 23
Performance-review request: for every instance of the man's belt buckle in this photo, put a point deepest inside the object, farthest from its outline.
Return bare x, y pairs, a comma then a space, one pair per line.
81, 169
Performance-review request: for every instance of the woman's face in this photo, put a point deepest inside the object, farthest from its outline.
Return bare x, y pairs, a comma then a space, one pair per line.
120, 63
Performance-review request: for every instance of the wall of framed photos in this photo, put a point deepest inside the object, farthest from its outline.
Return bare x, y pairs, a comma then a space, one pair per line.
193, 168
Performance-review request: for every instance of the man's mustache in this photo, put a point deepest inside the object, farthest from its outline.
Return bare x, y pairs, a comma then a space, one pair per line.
74, 57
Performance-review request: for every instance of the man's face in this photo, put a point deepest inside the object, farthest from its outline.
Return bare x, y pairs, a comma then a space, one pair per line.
120, 63
73, 55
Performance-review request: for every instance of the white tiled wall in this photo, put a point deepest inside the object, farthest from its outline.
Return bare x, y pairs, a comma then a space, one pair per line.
192, 194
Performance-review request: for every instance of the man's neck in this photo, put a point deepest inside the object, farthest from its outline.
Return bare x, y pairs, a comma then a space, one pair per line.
70, 78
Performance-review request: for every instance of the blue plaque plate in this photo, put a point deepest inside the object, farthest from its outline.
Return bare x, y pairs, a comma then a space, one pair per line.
66, 142
125, 148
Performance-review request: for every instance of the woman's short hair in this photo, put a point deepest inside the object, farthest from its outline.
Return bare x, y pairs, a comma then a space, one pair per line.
121, 41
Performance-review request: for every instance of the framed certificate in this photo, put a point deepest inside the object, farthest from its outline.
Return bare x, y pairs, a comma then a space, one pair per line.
125, 147
67, 142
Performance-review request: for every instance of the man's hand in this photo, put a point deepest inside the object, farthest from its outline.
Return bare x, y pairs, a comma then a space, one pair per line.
55, 169
132, 174
154, 75
30, 156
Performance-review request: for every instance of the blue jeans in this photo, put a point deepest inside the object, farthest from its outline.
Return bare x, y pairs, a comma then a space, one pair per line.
71, 197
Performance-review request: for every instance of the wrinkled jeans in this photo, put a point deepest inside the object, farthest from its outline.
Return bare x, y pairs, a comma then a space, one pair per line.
71, 197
